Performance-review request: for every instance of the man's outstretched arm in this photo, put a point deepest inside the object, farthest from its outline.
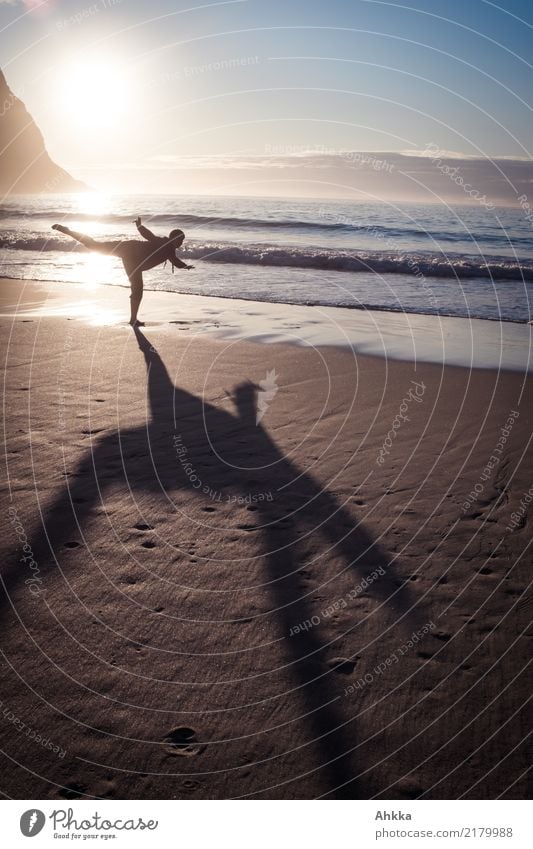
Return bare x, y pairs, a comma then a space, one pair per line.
178, 263
145, 232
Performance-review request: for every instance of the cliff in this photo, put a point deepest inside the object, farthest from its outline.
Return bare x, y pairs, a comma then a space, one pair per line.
25, 165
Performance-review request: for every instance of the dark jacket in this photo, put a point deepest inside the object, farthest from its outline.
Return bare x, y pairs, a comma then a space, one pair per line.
160, 251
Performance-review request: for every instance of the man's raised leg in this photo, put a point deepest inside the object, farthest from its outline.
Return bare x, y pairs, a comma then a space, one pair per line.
88, 241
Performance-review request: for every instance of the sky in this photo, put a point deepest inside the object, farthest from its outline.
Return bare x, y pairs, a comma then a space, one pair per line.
274, 98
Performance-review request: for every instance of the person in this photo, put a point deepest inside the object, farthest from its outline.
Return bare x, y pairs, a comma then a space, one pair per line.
136, 256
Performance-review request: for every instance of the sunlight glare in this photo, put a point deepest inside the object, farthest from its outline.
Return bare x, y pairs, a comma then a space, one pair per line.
92, 203
95, 93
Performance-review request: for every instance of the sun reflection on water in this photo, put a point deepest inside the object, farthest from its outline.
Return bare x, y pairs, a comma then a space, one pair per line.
92, 203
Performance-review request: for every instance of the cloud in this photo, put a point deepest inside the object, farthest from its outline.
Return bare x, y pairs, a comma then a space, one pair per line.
211, 162
431, 151
429, 175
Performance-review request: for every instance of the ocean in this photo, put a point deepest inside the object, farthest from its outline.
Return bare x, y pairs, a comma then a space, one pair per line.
429, 259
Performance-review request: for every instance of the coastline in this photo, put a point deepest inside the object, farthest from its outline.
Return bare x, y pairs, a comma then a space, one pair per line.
356, 633
413, 337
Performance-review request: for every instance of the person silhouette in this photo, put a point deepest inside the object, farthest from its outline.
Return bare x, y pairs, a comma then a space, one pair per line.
136, 256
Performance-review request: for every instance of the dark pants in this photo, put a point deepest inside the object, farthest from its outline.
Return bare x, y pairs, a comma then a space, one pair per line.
128, 251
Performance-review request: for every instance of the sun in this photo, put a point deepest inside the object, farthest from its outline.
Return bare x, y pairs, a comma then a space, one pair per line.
95, 93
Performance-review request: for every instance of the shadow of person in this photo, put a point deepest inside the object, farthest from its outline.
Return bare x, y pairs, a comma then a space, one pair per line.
219, 445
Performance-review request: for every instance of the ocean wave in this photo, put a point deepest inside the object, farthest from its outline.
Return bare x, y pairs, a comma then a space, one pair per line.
414, 264
420, 265
169, 220
174, 219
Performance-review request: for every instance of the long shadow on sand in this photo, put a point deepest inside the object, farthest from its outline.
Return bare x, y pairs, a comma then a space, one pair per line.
219, 446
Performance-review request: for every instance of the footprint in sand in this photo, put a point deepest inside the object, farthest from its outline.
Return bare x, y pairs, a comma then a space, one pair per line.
142, 526
73, 791
443, 636
342, 665
408, 790
190, 784
183, 741
129, 579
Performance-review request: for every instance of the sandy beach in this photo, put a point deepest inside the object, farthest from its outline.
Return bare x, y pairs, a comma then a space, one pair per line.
235, 567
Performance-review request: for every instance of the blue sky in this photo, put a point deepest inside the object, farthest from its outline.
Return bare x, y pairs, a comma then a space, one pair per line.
243, 79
